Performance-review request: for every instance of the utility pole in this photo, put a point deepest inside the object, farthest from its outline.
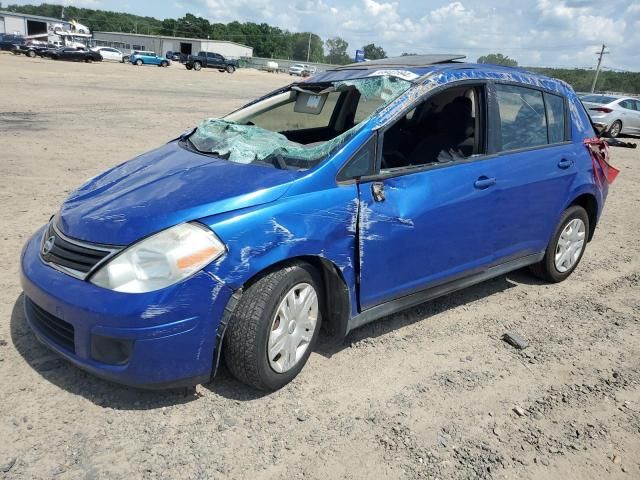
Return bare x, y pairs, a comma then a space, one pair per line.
600, 54
309, 48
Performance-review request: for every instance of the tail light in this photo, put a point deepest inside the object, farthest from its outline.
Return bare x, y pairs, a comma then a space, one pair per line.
602, 109
602, 169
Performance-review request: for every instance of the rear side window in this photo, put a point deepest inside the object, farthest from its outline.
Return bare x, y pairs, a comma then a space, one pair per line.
522, 117
628, 104
555, 117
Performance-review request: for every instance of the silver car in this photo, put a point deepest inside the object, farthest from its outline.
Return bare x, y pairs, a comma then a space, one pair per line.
613, 114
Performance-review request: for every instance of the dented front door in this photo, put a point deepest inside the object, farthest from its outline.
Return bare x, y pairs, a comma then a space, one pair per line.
421, 229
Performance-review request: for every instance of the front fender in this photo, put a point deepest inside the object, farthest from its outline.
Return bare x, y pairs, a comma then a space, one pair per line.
318, 224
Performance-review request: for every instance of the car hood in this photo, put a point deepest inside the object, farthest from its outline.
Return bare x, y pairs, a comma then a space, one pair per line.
162, 188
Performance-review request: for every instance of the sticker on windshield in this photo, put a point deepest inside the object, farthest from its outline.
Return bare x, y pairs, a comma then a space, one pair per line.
404, 74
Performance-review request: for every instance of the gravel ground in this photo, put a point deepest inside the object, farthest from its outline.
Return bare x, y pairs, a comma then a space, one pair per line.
432, 392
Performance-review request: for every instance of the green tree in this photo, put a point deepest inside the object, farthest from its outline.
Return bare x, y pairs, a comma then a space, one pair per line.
373, 52
337, 48
498, 59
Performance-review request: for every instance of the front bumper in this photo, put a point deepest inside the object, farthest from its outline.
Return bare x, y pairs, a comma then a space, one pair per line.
171, 332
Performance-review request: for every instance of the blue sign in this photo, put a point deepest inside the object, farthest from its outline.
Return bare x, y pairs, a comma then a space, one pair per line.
359, 56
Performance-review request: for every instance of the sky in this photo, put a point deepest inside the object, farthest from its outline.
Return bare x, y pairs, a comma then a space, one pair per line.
560, 33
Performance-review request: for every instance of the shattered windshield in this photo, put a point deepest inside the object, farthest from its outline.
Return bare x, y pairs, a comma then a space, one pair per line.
299, 127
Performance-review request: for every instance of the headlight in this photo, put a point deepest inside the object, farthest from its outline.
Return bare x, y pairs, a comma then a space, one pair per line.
160, 260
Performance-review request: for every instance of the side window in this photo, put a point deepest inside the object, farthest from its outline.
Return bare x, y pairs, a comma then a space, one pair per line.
637, 105
218, 57
446, 127
362, 163
283, 118
522, 117
627, 104
555, 117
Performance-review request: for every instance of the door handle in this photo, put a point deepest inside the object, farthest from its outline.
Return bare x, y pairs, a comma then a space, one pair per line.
564, 163
484, 182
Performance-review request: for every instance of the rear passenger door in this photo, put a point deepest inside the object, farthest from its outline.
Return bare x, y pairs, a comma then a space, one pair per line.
537, 167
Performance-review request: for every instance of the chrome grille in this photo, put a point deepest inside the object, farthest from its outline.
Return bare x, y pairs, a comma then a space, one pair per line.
72, 256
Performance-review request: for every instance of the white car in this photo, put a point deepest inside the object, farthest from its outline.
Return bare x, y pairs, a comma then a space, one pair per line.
613, 114
300, 68
109, 53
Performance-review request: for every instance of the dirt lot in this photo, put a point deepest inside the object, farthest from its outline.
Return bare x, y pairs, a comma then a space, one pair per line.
428, 393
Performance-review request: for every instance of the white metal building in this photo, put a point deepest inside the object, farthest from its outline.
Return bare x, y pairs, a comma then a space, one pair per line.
46, 29
162, 44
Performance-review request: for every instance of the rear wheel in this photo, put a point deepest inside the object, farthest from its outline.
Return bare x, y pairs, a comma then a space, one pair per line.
230, 69
88, 60
566, 248
274, 327
125, 59
615, 129
31, 54
164, 63
188, 67
139, 62
197, 66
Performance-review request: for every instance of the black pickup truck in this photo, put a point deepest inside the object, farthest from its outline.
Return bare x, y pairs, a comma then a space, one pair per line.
210, 60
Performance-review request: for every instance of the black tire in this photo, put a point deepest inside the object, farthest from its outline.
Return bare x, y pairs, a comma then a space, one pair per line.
188, 67
230, 69
246, 339
31, 54
615, 129
139, 62
88, 60
546, 269
125, 59
197, 66
164, 64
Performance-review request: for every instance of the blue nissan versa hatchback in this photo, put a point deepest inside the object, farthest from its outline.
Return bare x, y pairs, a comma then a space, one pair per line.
337, 200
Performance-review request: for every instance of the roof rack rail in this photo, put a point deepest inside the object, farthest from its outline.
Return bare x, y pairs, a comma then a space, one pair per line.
405, 61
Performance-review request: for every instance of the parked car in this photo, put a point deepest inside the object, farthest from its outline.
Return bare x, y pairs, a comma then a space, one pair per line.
614, 114
32, 49
300, 69
336, 201
75, 54
108, 53
175, 56
9, 41
210, 60
148, 58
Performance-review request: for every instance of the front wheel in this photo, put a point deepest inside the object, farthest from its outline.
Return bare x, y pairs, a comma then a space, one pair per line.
164, 64
138, 62
31, 54
230, 69
274, 327
566, 248
197, 66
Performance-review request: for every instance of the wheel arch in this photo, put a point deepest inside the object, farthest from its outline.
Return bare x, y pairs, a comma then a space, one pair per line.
336, 302
590, 204
334, 287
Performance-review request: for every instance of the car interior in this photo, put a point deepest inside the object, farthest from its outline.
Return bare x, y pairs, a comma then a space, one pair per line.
444, 128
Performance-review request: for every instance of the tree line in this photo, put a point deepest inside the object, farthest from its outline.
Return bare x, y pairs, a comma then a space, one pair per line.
267, 41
